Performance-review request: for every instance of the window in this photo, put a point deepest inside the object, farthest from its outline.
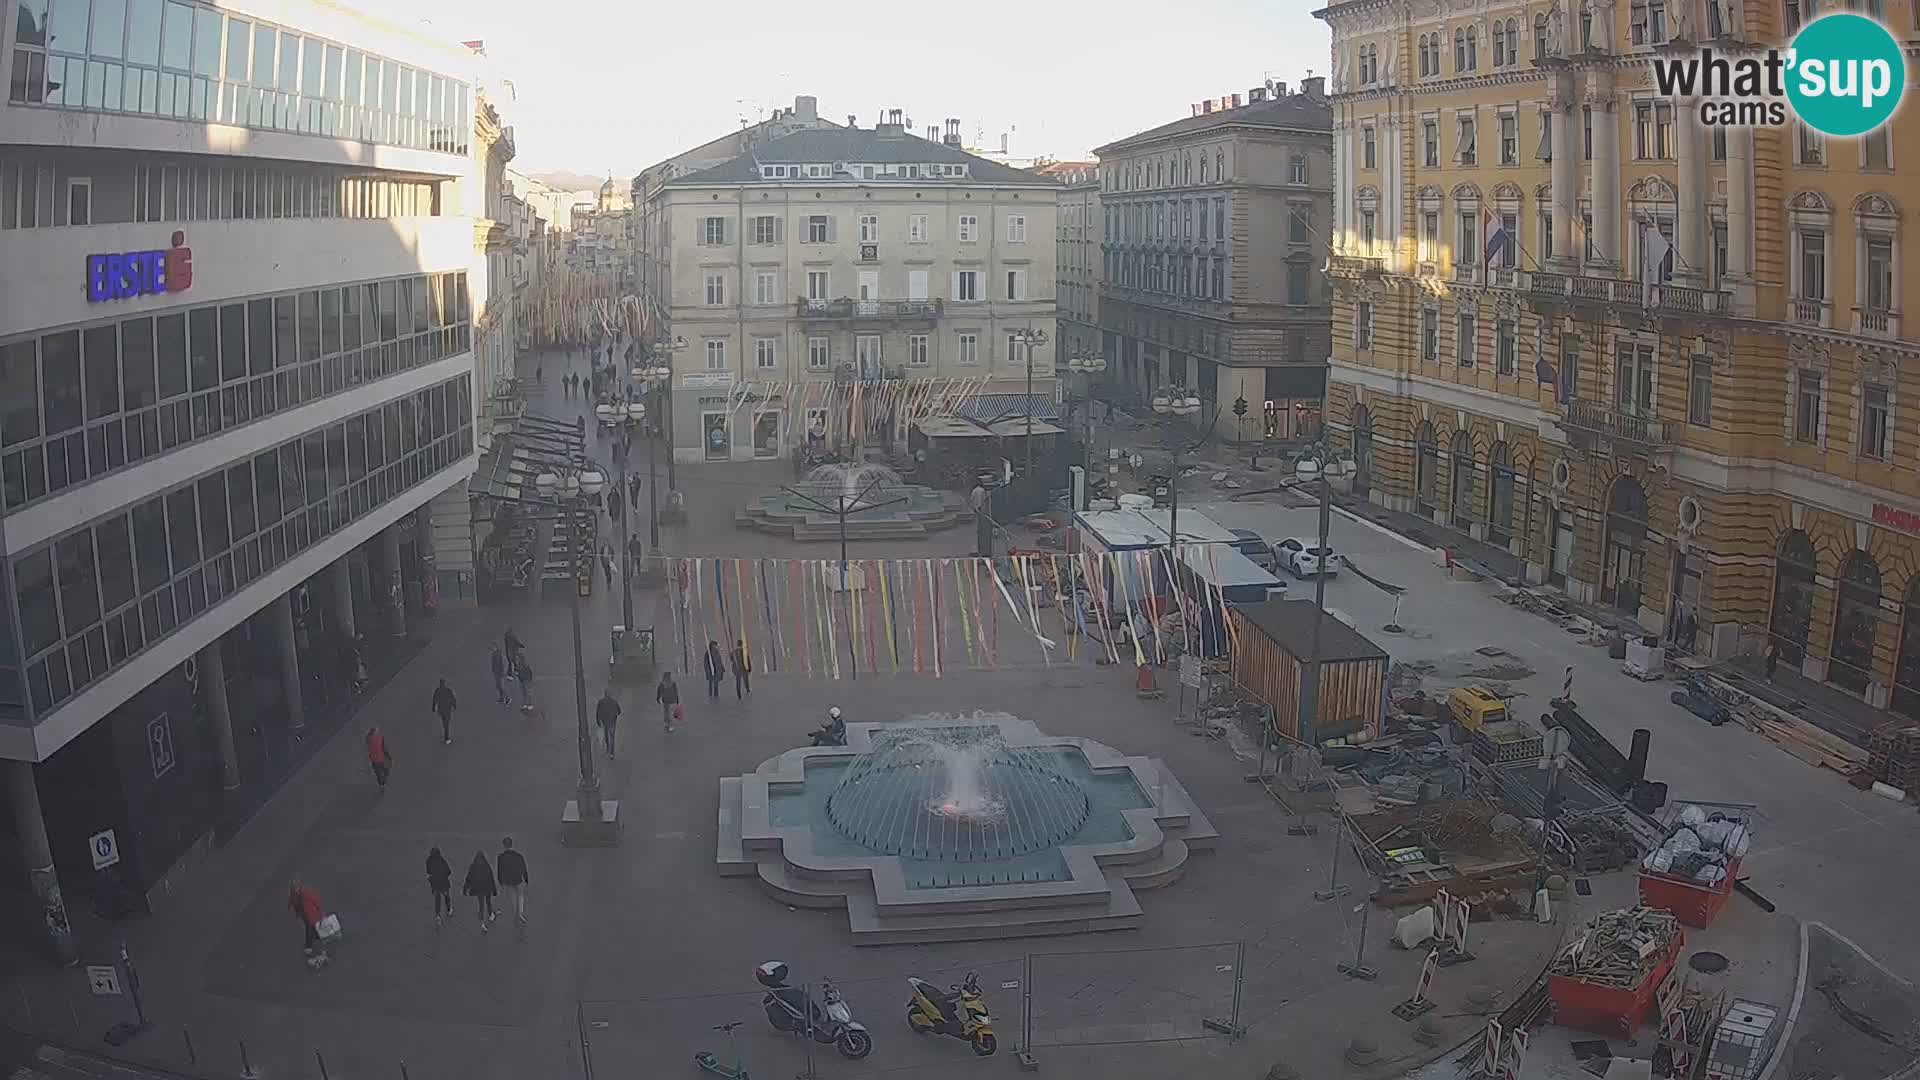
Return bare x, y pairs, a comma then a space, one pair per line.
819, 229
819, 353
819, 285
716, 291
966, 285
1297, 164
713, 231
967, 350
766, 353
1220, 219
1791, 16
1367, 232
1719, 142
1569, 369
1464, 154
1808, 396
764, 289
1878, 291
1466, 247
1649, 22
1429, 235
1429, 335
1430, 143
1813, 264
1546, 234
1719, 252
716, 354
1297, 226
79, 201
1296, 284
1510, 225
1367, 158
1016, 229
969, 228
1363, 325
1586, 132
1633, 379
917, 228
1016, 284
869, 228
766, 229
1876, 403
917, 350
1700, 392
1874, 151
1499, 44
1653, 131
1809, 148
1466, 340
1509, 139
1586, 233
1019, 355
1506, 347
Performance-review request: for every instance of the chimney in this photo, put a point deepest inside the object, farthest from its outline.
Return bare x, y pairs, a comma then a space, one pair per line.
807, 106
1195, 107
1279, 89
1236, 101
1206, 106
853, 121
893, 125
933, 132
1256, 95
1003, 145
952, 137
1314, 86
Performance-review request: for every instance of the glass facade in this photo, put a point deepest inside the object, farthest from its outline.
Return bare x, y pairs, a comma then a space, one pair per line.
189, 62
79, 402
99, 595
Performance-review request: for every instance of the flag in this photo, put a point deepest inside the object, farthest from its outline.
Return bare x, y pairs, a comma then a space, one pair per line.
1494, 235
1544, 372
1656, 254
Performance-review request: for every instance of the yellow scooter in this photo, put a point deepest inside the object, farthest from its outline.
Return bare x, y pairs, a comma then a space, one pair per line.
960, 1012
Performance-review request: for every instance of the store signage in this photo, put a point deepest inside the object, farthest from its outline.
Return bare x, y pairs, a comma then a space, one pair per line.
126, 274
707, 380
1895, 518
751, 397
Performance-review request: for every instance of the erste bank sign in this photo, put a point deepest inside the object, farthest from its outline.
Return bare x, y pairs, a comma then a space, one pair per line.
127, 274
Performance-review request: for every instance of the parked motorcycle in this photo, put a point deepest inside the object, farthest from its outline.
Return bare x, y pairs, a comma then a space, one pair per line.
960, 1011
827, 1017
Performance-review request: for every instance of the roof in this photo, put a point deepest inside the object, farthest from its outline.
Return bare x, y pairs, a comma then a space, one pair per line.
865, 146
953, 427
1131, 530
990, 407
1289, 624
1301, 112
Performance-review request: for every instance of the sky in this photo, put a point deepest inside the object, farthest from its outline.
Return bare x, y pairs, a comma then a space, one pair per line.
612, 87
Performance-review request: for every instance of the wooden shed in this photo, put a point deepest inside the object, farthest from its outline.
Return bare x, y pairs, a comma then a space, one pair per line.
1272, 642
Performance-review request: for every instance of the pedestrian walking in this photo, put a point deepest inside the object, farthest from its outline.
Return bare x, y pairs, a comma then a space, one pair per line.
512, 868
497, 664
443, 703
607, 714
1773, 659
480, 885
633, 490
716, 669
606, 564
523, 674
378, 757
514, 646
440, 880
305, 905
742, 671
668, 695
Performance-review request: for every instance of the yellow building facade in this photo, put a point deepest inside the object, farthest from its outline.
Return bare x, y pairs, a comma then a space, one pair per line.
1664, 364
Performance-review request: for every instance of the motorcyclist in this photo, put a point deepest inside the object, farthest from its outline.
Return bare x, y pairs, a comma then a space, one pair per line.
833, 732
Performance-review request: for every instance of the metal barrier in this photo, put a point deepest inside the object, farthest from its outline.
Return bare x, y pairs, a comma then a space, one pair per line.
1134, 996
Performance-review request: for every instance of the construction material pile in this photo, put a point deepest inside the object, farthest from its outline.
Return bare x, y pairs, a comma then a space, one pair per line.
1893, 756
1620, 949
1702, 846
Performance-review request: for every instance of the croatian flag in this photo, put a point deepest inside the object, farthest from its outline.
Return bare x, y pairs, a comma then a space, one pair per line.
1494, 234
1544, 373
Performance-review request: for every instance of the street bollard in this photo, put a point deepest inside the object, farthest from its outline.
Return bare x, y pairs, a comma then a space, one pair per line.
246, 1065
187, 1037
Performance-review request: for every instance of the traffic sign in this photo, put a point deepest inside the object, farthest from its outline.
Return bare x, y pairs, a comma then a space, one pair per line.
105, 848
103, 980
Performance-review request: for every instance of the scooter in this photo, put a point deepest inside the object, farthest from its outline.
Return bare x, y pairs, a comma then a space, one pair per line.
710, 1062
960, 1012
794, 1011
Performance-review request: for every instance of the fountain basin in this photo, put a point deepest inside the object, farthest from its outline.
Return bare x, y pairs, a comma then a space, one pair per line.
1054, 837
879, 506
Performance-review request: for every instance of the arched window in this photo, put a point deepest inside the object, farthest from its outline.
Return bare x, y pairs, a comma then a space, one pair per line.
1793, 577
1626, 538
1361, 426
1473, 49
1426, 467
1499, 45
1459, 50
1856, 618
1461, 491
1499, 494
1423, 56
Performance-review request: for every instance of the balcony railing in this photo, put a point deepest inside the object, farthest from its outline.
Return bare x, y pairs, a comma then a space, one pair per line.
1617, 426
1877, 321
1353, 266
1502, 277
1808, 311
1580, 288
1466, 272
869, 309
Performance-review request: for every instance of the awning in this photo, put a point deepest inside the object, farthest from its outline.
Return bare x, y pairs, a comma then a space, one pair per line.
999, 406
536, 444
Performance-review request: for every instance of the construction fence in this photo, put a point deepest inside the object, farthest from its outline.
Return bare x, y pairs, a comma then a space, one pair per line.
1040, 1003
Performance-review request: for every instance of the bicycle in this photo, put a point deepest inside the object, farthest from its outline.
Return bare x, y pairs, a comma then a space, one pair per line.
711, 1063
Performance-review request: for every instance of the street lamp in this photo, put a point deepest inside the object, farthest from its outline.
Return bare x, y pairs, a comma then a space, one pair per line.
1179, 404
1028, 339
655, 380
1089, 365
624, 417
663, 349
587, 820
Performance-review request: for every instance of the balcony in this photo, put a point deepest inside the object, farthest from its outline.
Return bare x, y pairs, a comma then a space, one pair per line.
1664, 297
1876, 321
1809, 311
1503, 277
1355, 266
1623, 430
1466, 273
870, 310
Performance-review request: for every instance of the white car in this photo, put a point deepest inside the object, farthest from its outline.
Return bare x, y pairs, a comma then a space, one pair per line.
1303, 557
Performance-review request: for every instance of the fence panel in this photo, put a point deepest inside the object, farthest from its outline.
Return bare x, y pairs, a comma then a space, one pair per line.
1135, 995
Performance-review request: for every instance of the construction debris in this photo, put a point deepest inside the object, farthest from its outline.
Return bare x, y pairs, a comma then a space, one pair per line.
1620, 949
1893, 755
1813, 745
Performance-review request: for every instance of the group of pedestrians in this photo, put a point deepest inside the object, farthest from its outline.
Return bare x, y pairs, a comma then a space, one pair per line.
716, 667
507, 873
570, 384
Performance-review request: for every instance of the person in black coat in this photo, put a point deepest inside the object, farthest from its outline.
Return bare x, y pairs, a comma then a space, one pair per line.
440, 880
668, 695
512, 867
480, 885
715, 666
606, 713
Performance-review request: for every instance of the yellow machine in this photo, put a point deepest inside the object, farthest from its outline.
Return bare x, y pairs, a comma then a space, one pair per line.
1473, 706
960, 1012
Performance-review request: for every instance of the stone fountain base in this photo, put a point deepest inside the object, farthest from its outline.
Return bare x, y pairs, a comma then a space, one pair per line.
1096, 893
803, 525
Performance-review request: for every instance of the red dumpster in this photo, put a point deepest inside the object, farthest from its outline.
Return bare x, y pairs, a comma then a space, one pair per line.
1693, 903
1610, 1010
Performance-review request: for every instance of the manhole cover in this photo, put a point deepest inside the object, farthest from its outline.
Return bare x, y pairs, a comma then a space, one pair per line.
1708, 962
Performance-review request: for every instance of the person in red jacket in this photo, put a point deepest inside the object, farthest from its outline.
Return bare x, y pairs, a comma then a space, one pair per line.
305, 903
378, 757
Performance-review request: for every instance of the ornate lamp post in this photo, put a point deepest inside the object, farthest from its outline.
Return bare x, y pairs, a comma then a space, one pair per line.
1028, 339
587, 820
1089, 365
1179, 405
663, 349
655, 381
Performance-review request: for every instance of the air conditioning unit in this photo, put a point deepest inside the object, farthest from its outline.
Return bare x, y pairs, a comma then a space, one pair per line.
839, 166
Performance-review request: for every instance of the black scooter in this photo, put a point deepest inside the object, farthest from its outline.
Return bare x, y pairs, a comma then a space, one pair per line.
827, 1018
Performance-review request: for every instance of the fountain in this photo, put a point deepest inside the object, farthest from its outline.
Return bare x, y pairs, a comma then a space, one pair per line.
981, 820
878, 505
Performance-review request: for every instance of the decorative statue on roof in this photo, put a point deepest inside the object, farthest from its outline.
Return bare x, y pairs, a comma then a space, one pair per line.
1557, 29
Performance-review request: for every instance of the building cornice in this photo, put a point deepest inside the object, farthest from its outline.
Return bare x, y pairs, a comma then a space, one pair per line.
1206, 134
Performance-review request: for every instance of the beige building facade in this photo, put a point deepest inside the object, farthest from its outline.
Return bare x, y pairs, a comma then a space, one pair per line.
1077, 235
1214, 234
1664, 364
849, 256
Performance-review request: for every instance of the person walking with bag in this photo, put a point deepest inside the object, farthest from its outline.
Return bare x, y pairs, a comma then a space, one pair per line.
716, 669
440, 880
305, 905
668, 695
497, 664
377, 756
480, 885
606, 713
742, 671
443, 704
512, 869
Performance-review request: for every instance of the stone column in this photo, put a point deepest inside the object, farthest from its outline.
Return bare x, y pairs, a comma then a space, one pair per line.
289, 649
36, 854
1740, 203
387, 591
340, 578
1606, 171
1565, 170
213, 690
1690, 217
1342, 167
